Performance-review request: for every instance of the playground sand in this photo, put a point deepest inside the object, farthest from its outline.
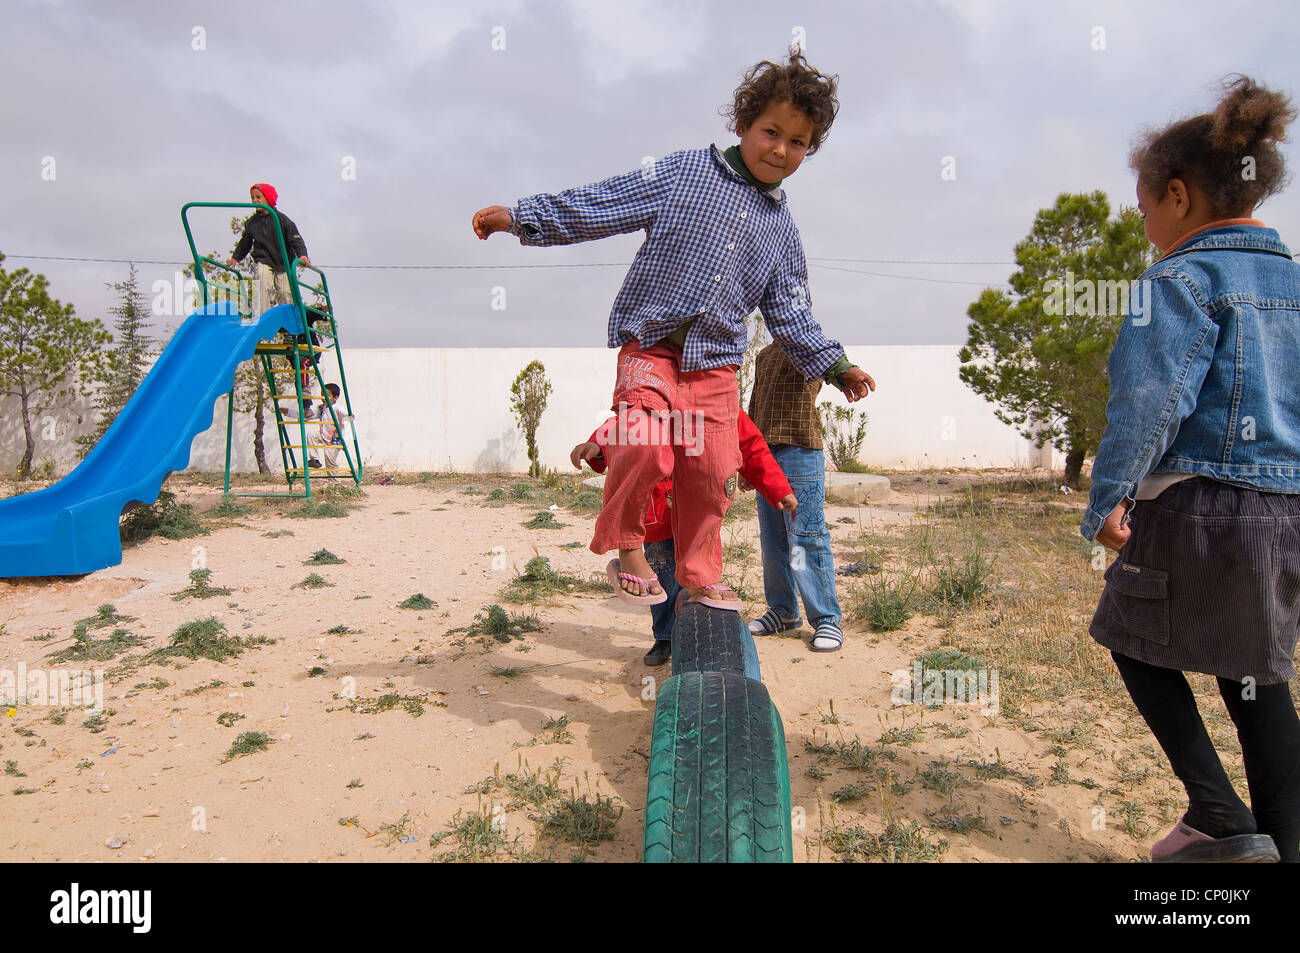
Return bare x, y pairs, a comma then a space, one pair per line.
340, 781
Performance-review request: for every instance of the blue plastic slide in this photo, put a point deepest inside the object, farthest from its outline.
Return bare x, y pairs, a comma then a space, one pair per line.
71, 528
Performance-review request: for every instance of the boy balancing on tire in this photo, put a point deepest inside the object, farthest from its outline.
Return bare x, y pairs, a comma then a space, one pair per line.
758, 467
720, 242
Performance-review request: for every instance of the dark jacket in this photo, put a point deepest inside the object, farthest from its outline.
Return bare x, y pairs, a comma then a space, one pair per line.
259, 235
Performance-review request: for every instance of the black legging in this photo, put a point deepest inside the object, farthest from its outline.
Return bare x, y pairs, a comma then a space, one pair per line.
1269, 731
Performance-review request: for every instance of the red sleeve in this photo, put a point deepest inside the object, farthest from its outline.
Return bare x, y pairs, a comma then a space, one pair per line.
758, 466
600, 437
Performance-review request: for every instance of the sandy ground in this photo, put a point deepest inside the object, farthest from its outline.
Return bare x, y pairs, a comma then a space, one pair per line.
152, 784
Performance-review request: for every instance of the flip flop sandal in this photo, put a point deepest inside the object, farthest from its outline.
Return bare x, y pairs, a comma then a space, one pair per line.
770, 623
715, 596
650, 599
830, 631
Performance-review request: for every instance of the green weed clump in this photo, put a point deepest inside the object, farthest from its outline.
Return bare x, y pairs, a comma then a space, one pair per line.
580, 821
539, 581
544, 519
886, 605
165, 518
897, 844
206, 638
960, 586
312, 510
323, 557
503, 626
229, 507
199, 588
419, 601
86, 648
247, 743
313, 581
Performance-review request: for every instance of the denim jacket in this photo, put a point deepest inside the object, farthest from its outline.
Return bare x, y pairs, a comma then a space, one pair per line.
1205, 373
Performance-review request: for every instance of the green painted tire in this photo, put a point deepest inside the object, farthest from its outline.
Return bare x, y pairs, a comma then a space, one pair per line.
719, 781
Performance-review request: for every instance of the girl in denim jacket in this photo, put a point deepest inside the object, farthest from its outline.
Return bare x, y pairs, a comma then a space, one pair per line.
1197, 477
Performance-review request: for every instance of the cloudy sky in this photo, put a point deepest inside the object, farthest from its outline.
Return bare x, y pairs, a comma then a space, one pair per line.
115, 114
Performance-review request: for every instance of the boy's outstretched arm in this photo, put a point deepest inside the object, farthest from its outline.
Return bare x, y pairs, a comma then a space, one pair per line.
621, 203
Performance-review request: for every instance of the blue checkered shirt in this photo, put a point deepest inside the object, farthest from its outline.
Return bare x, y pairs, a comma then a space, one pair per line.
716, 248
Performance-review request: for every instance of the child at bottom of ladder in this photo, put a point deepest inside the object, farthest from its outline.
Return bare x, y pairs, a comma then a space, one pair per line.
327, 437
757, 467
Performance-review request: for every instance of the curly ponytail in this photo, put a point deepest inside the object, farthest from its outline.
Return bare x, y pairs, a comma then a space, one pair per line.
1231, 154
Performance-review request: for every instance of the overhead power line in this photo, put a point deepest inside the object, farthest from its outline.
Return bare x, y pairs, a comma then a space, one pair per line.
819, 262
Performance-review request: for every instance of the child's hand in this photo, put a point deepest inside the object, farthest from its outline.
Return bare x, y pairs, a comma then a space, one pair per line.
494, 218
856, 383
584, 451
1112, 535
742, 484
788, 502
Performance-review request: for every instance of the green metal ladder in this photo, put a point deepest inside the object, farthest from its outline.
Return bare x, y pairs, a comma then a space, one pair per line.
298, 356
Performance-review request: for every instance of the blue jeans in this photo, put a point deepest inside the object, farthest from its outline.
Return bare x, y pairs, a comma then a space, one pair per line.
797, 559
661, 559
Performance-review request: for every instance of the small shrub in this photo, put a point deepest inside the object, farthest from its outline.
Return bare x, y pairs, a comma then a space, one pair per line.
229, 507
203, 638
580, 821
323, 557
886, 605
961, 586
247, 743
843, 433
199, 588
165, 518
544, 519
418, 602
311, 510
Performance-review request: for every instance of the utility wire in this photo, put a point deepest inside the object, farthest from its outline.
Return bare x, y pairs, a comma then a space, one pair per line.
819, 262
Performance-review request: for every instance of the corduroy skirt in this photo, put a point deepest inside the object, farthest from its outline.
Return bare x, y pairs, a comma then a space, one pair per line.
1209, 581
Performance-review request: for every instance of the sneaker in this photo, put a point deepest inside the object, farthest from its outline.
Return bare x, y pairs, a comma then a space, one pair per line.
1186, 845
770, 623
313, 462
660, 653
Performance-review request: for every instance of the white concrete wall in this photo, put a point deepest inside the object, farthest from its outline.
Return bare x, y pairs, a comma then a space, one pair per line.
448, 408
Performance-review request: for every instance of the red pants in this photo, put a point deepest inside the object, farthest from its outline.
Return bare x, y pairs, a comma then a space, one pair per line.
679, 424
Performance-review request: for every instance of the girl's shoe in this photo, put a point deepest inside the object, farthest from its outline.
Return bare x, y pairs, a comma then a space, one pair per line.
827, 637
1186, 845
718, 596
649, 599
770, 623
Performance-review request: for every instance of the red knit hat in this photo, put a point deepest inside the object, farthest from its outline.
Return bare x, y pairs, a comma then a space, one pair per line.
268, 191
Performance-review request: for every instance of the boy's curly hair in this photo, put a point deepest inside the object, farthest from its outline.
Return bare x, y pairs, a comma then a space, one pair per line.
1215, 150
796, 83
